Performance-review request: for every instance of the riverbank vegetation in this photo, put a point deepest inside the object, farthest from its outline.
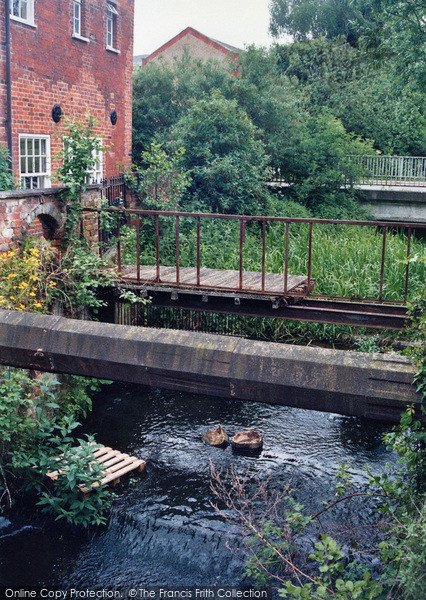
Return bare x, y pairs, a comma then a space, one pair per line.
39, 413
345, 258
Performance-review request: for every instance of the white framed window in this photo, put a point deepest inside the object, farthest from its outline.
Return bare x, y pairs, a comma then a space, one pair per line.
34, 161
76, 17
95, 175
22, 10
112, 14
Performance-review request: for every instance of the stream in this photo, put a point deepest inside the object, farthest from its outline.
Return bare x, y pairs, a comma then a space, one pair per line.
162, 529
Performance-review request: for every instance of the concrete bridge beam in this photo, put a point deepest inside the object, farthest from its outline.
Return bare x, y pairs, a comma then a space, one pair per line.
394, 204
377, 386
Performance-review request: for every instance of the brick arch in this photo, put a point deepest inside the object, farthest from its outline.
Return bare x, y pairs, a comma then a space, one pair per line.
51, 218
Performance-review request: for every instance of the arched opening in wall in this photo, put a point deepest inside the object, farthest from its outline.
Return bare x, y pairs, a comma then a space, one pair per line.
45, 221
43, 226
50, 226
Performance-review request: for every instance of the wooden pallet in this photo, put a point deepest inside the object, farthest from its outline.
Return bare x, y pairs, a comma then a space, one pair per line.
116, 463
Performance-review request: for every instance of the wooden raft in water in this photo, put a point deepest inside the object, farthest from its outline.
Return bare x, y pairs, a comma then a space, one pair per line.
116, 463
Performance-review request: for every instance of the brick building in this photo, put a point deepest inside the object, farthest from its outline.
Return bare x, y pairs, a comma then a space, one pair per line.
68, 59
199, 46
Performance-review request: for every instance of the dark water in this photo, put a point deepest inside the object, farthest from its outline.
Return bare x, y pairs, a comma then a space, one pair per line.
163, 529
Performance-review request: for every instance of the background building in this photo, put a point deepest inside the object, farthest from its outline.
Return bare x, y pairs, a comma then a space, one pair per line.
68, 59
199, 46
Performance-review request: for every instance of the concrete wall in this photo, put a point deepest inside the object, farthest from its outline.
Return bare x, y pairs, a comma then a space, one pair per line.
351, 383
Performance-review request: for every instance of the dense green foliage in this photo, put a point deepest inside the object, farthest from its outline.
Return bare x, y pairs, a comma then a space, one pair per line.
161, 179
366, 93
305, 19
7, 181
392, 29
352, 83
226, 159
36, 424
232, 128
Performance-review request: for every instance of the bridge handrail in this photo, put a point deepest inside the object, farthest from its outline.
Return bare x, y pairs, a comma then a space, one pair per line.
383, 169
385, 226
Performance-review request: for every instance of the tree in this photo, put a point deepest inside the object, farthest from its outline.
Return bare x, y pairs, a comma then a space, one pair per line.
399, 30
154, 106
271, 100
368, 96
304, 19
227, 160
160, 178
321, 165
162, 93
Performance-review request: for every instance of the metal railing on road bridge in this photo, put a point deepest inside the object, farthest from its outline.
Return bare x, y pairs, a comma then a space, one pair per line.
391, 170
155, 234
382, 170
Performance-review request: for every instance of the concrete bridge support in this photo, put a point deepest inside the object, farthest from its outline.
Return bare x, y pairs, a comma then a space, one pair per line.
394, 204
375, 385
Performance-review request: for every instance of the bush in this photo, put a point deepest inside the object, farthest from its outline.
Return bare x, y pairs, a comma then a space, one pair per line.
159, 180
22, 286
226, 159
35, 429
7, 181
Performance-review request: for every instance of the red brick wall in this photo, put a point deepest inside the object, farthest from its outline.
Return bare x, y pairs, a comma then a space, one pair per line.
50, 67
22, 213
198, 45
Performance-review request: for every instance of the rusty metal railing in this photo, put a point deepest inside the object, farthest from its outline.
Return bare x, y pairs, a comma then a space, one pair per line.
135, 218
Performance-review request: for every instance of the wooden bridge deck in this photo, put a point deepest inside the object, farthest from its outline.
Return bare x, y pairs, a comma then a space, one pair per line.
219, 279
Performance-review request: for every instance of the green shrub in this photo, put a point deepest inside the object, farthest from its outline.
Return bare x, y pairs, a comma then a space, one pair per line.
7, 181
35, 429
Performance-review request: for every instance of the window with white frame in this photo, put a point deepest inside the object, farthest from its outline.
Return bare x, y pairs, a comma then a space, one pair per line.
95, 174
22, 10
34, 161
77, 17
112, 15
